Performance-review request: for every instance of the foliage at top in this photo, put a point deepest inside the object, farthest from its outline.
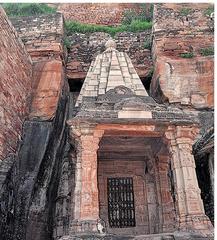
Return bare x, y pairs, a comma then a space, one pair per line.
187, 55
145, 15
185, 11
207, 51
209, 10
134, 26
27, 9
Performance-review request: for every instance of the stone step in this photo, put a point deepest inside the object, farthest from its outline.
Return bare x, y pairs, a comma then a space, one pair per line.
161, 236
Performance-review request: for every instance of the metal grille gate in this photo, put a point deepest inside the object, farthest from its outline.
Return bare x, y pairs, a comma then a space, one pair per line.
121, 209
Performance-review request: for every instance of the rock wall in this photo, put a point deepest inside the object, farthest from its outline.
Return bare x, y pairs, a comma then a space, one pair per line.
27, 195
85, 47
97, 13
15, 91
183, 56
181, 31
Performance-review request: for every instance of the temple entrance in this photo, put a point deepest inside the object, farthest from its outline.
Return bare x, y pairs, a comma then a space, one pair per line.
134, 185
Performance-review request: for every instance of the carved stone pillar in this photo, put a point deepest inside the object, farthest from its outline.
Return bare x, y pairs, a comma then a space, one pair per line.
167, 205
191, 215
85, 195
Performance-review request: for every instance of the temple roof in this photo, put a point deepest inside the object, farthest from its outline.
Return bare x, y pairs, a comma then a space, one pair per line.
109, 70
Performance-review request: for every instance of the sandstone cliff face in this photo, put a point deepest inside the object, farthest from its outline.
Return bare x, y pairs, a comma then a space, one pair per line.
182, 30
30, 182
15, 87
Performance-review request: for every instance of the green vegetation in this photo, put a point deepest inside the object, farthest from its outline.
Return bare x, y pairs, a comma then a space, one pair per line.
129, 16
207, 51
187, 55
135, 23
151, 72
27, 9
66, 43
147, 44
209, 10
134, 26
185, 11
144, 16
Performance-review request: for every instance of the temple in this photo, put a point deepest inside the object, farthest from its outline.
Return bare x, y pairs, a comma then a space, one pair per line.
134, 168
107, 131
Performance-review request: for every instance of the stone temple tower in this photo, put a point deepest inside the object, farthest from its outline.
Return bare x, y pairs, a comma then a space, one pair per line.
134, 170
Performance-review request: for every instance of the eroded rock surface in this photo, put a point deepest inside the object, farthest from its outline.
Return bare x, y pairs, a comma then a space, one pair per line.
182, 73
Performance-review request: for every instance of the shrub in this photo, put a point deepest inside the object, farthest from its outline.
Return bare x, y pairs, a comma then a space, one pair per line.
27, 9
129, 16
144, 16
147, 12
187, 55
208, 11
135, 26
147, 44
207, 51
66, 43
185, 11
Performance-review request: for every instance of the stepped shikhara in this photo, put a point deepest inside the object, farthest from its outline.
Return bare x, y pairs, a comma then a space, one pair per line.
92, 145
109, 70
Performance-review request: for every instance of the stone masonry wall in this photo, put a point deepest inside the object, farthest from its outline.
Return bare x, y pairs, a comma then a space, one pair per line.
42, 35
85, 47
97, 13
183, 29
124, 168
15, 87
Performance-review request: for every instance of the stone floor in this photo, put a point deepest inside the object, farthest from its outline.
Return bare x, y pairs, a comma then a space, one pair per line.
162, 236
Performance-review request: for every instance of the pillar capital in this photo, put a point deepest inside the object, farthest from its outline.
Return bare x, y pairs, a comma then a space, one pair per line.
181, 134
187, 132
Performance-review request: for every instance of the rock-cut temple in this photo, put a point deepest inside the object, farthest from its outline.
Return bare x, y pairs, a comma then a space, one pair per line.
91, 146
123, 144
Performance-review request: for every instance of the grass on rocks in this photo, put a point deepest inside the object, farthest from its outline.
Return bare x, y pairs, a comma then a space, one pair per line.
134, 26
27, 9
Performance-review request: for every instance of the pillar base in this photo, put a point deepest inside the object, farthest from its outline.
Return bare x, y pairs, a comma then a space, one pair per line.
81, 227
197, 224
